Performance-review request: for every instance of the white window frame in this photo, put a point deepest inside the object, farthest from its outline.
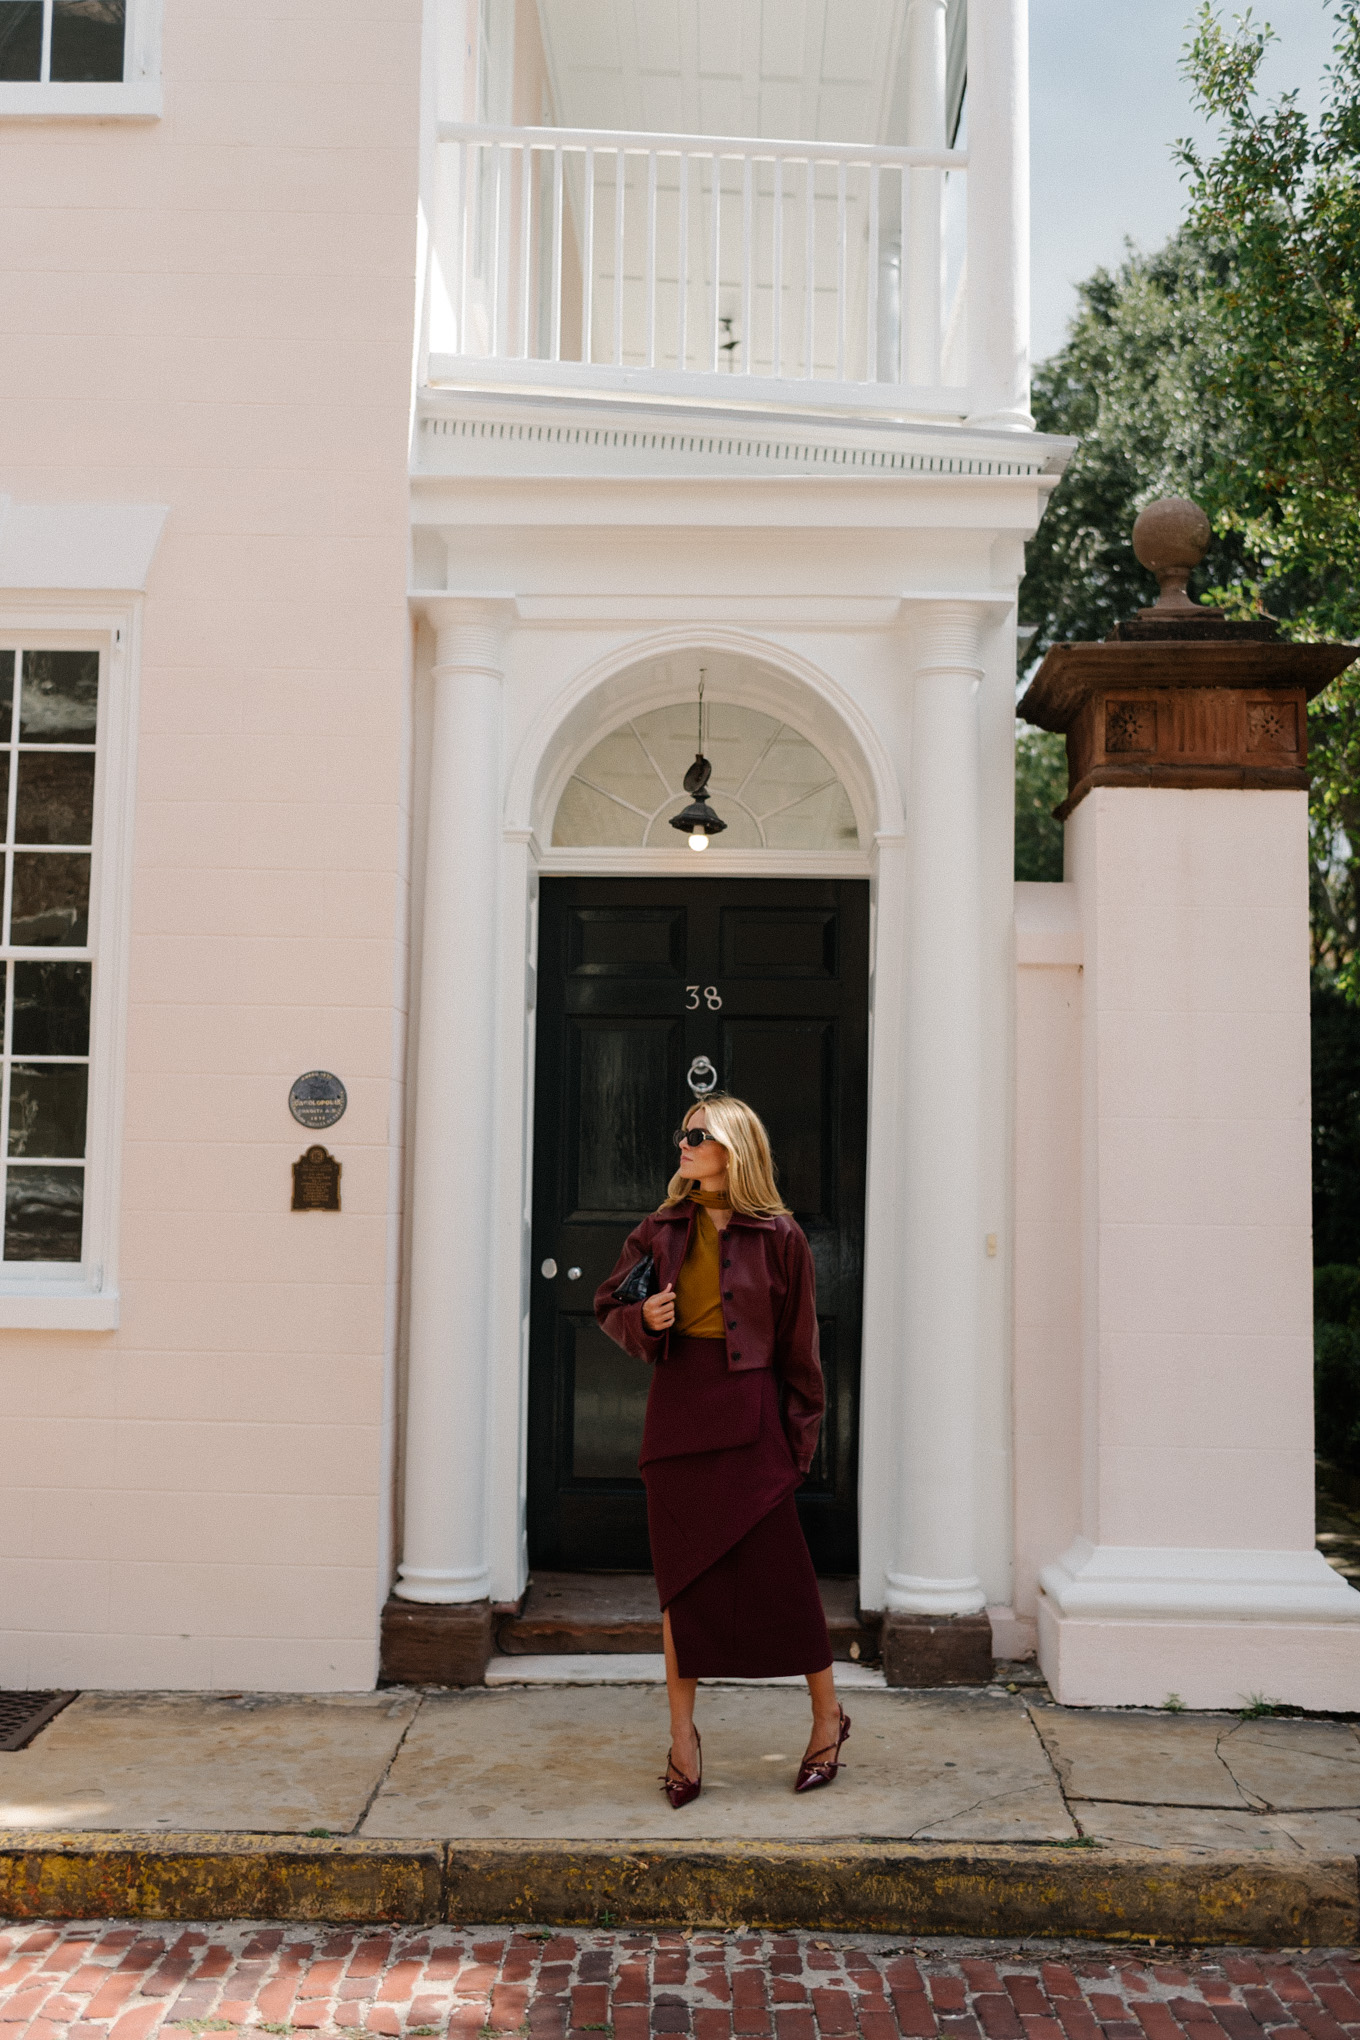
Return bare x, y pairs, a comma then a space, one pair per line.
137, 97
88, 1299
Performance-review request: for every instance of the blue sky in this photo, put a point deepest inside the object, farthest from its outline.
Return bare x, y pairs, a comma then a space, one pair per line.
1108, 101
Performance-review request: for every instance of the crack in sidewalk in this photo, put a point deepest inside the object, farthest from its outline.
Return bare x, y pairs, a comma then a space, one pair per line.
1078, 1830
386, 1771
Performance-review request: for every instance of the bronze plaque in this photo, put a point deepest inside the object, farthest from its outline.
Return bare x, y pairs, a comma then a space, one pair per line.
316, 1181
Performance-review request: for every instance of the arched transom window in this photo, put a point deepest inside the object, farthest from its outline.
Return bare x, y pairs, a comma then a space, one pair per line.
772, 787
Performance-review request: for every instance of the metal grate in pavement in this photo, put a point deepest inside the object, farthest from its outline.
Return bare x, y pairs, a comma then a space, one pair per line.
23, 1714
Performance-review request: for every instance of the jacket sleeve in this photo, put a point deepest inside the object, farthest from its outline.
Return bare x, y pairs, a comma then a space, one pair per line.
623, 1321
797, 1354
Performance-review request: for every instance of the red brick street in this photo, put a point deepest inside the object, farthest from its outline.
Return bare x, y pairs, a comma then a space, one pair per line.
86, 1981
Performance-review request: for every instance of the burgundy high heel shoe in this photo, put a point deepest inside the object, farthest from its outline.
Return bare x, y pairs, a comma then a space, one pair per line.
677, 1787
821, 1767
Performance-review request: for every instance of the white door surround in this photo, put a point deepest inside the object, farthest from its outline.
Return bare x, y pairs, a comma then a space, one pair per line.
465, 1454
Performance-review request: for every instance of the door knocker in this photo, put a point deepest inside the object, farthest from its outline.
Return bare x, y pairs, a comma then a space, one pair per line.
702, 1077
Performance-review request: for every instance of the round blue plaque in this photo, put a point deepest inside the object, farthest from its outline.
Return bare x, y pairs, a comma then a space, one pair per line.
317, 1099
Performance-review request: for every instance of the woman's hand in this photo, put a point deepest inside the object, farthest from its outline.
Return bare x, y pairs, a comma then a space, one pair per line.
658, 1312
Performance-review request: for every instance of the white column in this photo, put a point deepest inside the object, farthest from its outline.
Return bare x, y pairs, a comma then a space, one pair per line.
998, 212
923, 282
934, 1570
445, 1542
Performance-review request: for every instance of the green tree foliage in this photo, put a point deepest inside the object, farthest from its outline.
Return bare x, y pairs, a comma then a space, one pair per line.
1336, 1365
1227, 367
1283, 195
1040, 783
1128, 385
1336, 1127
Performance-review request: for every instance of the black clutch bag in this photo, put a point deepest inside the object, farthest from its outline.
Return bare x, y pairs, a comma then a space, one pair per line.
639, 1283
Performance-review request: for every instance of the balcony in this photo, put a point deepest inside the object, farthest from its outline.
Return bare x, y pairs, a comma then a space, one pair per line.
755, 272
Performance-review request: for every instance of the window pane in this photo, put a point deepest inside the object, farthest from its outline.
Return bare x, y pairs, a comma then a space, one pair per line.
47, 1108
60, 693
20, 39
6, 658
51, 906
87, 39
56, 797
43, 1211
51, 1008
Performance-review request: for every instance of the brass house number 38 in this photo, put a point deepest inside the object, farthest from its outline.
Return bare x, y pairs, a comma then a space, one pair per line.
707, 995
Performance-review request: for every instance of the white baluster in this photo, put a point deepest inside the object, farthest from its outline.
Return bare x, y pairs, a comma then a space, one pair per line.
682, 270
588, 257
649, 284
871, 335
809, 264
526, 241
747, 234
620, 177
840, 270
777, 280
715, 258
555, 352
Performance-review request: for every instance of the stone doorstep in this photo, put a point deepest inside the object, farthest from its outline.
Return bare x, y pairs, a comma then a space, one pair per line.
574, 1614
1010, 1892
603, 1614
643, 1668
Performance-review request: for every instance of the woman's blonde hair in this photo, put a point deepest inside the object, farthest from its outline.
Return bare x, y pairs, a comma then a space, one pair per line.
750, 1165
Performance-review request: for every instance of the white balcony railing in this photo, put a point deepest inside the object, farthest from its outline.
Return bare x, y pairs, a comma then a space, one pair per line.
805, 272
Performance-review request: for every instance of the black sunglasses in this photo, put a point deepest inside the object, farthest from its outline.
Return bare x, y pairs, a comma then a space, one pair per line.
692, 1136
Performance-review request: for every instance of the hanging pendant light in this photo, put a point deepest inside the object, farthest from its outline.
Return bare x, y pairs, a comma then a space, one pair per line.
698, 820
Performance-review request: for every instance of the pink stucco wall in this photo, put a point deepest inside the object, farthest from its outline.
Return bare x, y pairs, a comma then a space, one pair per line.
214, 311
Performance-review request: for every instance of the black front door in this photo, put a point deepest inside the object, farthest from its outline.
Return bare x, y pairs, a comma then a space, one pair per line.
645, 984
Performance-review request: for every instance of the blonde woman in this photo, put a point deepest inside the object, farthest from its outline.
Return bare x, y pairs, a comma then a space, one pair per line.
715, 1290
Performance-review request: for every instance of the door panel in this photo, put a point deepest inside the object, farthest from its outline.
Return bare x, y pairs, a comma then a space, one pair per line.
769, 980
623, 1086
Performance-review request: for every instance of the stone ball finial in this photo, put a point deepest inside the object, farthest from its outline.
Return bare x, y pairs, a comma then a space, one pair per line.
1170, 538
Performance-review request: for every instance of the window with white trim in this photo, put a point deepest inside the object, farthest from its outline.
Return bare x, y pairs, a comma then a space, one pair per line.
65, 58
49, 719
63, 41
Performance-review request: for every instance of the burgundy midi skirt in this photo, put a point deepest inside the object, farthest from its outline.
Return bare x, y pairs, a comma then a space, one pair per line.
731, 1561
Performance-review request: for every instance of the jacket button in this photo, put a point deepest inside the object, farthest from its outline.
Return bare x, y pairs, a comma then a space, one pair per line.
735, 1354
731, 1324
728, 1294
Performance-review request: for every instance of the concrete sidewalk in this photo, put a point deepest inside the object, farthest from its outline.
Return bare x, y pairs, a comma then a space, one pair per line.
538, 1774
577, 1762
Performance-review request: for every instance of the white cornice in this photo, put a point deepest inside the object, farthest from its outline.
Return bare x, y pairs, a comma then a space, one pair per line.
472, 433
811, 610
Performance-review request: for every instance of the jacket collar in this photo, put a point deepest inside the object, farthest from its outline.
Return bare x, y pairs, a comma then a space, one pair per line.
680, 1214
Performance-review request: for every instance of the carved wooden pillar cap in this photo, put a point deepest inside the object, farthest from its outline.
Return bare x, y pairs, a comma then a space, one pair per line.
1181, 713
1177, 696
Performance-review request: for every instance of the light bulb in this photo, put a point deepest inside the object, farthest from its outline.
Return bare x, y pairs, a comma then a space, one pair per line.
699, 840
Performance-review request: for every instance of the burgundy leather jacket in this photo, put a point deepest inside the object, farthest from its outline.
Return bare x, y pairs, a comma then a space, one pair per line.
768, 1297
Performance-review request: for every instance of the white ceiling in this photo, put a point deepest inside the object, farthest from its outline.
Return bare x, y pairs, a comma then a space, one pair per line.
792, 69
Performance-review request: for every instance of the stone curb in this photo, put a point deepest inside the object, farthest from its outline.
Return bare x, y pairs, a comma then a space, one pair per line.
892, 1887
68, 1875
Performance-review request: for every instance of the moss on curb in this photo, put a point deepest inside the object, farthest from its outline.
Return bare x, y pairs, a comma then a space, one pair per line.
1255, 1899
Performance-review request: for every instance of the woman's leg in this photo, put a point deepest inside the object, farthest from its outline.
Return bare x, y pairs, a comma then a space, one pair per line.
680, 1692
826, 1711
